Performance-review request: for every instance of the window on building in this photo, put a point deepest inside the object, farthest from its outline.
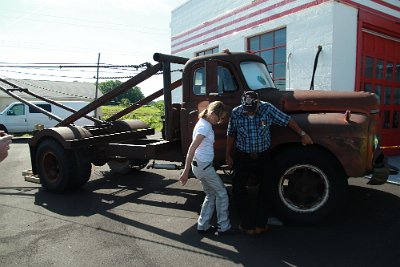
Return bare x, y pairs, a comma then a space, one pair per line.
271, 46
208, 52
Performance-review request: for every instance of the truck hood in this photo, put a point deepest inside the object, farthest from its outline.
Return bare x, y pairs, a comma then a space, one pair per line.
321, 101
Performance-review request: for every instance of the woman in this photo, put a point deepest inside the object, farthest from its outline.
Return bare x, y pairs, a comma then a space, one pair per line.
200, 157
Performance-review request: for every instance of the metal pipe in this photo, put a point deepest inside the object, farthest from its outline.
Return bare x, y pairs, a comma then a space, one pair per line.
97, 84
59, 105
16, 87
169, 58
143, 101
112, 94
51, 115
167, 101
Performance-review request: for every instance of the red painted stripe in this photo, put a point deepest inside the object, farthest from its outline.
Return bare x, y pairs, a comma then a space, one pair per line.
294, 10
205, 24
371, 10
258, 22
248, 16
386, 4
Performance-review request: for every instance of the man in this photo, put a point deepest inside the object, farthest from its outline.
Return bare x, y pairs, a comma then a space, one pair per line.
248, 140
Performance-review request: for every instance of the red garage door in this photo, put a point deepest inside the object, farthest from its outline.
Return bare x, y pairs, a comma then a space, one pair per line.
381, 74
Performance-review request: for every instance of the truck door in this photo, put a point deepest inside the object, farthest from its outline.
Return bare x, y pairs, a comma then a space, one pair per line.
211, 81
15, 118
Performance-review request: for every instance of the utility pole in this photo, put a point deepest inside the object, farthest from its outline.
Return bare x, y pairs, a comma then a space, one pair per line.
97, 84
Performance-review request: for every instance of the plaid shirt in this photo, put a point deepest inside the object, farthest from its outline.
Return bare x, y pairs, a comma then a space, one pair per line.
252, 132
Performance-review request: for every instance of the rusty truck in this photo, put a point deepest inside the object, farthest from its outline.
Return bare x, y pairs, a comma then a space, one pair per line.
309, 183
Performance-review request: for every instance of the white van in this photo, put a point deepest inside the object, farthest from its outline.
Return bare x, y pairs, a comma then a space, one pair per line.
21, 118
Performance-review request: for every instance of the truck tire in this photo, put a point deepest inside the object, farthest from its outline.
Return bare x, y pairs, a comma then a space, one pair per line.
308, 186
83, 168
125, 166
55, 166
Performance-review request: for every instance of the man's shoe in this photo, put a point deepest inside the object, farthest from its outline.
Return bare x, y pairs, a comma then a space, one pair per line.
250, 232
230, 231
261, 230
210, 230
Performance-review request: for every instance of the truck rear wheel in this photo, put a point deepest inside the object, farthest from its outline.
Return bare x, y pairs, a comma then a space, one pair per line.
83, 168
54, 166
308, 185
60, 169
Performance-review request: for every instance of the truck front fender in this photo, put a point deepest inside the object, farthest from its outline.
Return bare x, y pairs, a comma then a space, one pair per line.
349, 141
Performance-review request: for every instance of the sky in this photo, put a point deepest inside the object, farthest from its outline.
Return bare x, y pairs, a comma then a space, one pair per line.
124, 32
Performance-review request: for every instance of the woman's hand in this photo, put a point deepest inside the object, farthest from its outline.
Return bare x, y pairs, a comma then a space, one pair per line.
184, 178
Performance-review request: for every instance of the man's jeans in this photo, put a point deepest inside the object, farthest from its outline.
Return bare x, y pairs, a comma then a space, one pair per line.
246, 165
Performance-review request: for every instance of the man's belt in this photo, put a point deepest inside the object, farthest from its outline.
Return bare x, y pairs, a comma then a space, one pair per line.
251, 155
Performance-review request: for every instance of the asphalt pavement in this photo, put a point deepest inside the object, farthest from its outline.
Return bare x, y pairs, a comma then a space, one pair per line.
394, 161
148, 219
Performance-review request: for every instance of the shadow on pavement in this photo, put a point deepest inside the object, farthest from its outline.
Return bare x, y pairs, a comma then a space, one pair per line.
367, 233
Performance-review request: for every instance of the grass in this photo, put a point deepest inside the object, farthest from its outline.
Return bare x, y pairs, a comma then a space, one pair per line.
148, 114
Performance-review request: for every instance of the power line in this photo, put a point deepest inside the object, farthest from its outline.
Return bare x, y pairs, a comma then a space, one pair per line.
60, 66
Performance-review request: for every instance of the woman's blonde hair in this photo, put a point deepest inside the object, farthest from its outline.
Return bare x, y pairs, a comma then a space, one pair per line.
216, 107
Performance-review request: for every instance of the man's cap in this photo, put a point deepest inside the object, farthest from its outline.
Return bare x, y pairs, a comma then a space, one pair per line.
249, 101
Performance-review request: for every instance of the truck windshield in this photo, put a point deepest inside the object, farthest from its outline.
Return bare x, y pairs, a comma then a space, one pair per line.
256, 75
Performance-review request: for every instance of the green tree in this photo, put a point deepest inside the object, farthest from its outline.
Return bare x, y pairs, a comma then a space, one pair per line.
133, 95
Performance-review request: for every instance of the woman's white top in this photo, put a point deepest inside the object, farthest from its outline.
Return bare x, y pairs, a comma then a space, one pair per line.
205, 151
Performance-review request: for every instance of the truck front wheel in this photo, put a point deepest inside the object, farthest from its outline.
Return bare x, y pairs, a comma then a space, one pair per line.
308, 185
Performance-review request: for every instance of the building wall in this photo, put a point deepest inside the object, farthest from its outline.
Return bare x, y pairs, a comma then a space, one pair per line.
200, 25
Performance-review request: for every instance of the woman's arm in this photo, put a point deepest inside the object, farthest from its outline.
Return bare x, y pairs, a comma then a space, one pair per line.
189, 158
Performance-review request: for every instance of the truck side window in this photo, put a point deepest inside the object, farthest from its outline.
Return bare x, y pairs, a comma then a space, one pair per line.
199, 82
46, 107
226, 81
17, 109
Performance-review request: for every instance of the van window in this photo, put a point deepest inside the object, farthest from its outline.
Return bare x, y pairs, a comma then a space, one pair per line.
46, 107
17, 109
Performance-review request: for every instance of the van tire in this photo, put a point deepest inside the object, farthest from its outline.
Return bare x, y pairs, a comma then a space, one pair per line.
54, 166
309, 185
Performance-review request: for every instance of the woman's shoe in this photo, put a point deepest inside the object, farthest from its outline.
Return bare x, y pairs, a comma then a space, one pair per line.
210, 230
